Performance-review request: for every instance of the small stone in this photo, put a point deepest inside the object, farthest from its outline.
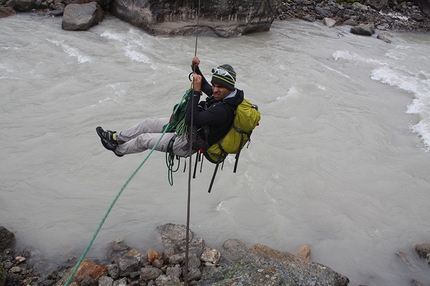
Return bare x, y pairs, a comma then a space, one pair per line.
210, 255
127, 265
175, 271
304, 252
177, 259
329, 22
113, 270
167, 252
15, 269
151, 255
20, 259
158, 263
121, 282
105, 281
194, 274
150, 273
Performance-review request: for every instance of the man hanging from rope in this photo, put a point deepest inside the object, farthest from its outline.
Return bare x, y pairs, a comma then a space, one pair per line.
216, 112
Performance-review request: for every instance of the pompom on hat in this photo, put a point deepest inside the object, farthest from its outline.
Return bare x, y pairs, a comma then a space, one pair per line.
225, 76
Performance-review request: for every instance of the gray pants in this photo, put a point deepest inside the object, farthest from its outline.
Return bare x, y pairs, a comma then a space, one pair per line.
145, 135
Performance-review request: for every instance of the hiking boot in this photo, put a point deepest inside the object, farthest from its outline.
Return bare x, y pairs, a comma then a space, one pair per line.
106, 138
104, 143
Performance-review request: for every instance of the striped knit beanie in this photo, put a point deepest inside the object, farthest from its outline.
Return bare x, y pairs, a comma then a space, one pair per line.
225, 76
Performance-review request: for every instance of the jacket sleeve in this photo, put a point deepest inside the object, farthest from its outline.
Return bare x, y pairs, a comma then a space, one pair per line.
206, 86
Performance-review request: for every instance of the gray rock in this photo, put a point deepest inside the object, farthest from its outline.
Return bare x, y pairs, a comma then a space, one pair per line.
164, 280
113, 270
384, 37
105, 281
210, 256
120, 282
150, 273
324, 11
359, 6
158, 263
174, 271
7, 238
266, 266
178, 17
350, 22
423, 250
177, 258
424, 6
417, 283
21, 5
81, 17
233, 249
175, 235
329, 22
194, 274
364, 30
244, 273
377, 4
167, 252
127, 265
6, 12
193, 261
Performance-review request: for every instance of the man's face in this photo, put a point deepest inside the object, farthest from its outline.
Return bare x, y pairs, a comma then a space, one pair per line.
220, 92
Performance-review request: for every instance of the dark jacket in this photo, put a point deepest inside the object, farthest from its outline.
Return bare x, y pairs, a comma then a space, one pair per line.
217, 115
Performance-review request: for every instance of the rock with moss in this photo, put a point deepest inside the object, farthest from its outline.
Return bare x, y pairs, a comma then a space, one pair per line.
262, 265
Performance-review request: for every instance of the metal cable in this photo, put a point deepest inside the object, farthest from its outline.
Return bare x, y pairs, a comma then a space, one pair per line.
187, 247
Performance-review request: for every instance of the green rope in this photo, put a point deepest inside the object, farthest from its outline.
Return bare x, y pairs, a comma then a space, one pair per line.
75, 269
177, 125
181, 128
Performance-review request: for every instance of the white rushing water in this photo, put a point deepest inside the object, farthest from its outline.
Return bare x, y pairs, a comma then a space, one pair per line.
340, 160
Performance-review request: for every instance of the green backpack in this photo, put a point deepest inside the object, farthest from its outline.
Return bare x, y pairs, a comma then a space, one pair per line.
246, 118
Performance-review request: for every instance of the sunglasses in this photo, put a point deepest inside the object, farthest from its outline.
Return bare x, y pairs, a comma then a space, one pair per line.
222, 72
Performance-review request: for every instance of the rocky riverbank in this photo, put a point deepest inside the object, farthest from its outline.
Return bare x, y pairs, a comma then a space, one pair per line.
364, 16
394, 16
233, 264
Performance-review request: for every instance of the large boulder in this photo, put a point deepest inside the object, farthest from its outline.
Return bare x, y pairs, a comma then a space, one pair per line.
81, 17
175, 235
262, 265
219, 17
21, 5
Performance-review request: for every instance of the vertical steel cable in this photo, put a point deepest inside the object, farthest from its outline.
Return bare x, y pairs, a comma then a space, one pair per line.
187, 237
